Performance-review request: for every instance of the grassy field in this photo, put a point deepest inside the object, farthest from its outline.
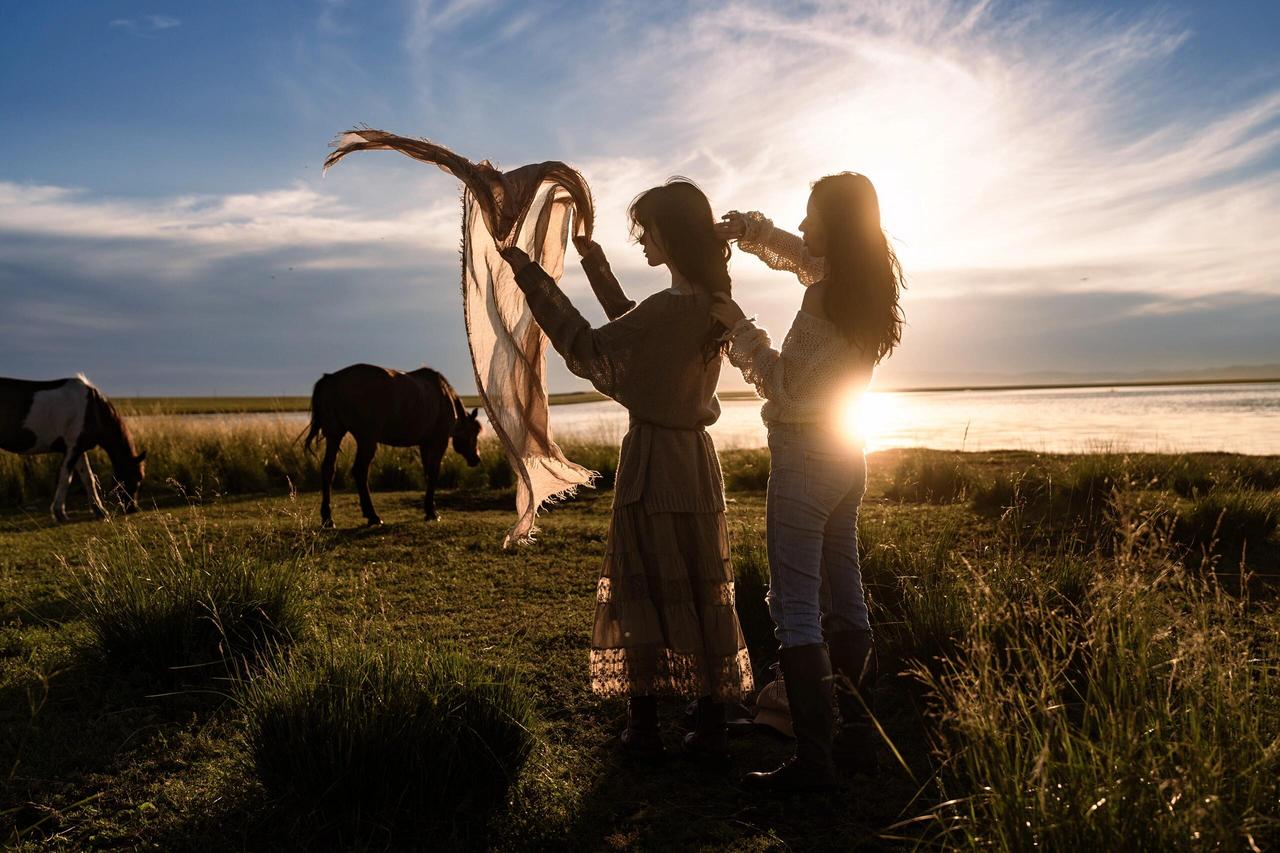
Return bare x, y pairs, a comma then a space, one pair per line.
1080, 653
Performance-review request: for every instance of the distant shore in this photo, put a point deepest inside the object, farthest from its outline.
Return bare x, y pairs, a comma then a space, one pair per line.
255, 405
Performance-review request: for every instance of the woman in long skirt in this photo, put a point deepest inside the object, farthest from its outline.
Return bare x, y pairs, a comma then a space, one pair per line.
665, 622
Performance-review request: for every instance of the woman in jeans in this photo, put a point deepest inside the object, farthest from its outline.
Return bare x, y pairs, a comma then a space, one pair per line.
849, 321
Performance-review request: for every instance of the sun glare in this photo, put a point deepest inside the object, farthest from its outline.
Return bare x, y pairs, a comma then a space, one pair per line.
867, 418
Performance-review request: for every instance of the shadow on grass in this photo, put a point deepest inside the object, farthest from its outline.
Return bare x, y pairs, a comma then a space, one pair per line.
676, 803
61, 729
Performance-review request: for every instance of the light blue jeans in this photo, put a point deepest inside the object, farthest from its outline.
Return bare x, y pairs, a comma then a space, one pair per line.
816, 483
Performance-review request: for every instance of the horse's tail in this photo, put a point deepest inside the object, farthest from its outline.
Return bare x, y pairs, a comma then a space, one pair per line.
320, 414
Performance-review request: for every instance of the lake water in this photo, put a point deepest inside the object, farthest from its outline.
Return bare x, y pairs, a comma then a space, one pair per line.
1243, 418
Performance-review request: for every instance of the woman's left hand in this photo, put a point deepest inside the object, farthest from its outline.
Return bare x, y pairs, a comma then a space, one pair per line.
725, 311
515, 256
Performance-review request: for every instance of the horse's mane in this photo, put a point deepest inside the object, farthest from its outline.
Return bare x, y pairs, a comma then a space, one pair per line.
109, 414
458, 408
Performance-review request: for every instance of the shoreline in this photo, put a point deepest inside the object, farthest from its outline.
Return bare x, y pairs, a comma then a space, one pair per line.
216, 405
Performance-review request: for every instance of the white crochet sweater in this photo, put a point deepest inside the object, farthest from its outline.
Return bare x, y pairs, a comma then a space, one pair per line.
781, 249
816, 370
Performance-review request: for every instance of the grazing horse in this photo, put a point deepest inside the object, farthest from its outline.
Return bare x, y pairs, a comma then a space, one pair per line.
382, 406
71, 417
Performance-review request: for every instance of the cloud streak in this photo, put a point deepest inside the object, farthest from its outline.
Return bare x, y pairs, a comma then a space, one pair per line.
145, 26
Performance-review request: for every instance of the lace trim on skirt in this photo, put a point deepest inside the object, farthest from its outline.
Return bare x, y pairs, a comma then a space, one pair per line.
665, 619
654, 669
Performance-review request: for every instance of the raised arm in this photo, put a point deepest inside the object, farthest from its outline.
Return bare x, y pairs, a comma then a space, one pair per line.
780, 249
751, 351
597, 355
603, 283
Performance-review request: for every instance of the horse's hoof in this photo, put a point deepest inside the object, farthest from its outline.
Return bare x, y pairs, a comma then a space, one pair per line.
61, 517
373, 522
432, 516
327, 523
99, 513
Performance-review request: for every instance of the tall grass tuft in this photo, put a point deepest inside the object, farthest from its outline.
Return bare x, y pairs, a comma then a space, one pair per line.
745, 470
919, 603
388, 738
926, 477
1227, 523
1148, 718
751, 583
1074, 503
189, 604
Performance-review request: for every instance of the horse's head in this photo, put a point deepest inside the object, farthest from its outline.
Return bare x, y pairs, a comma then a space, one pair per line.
129, 474
466, 436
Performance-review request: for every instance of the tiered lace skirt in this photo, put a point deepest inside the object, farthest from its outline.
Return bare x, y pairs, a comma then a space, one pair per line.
665, 618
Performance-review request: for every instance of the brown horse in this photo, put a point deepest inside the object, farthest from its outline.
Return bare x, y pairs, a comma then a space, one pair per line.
71, 417
378, 405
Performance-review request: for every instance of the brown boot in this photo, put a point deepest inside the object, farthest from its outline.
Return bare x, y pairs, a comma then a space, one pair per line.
641, 736
806, 672
855, 666
710, 736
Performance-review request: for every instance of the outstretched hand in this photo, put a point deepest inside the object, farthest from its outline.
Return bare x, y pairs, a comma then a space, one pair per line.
515, 256
585, 245
725, 311
732, 226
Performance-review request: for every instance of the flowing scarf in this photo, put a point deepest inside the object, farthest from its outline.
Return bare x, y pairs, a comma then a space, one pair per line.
532, 207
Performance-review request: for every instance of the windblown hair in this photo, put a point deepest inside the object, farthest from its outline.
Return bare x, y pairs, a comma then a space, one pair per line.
679, 211
864, 279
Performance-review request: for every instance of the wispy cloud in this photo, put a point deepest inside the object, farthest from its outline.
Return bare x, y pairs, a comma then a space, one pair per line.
145, 26
430, 18
182, 236
996, 141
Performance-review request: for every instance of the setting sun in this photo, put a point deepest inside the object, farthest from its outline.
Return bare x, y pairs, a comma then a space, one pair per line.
866, 418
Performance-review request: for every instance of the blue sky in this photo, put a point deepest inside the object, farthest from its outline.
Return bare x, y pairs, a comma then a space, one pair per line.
1072, 186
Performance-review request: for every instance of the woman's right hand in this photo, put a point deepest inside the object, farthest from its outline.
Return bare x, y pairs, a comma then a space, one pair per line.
732, 226
517, 257
725, 311
585, 245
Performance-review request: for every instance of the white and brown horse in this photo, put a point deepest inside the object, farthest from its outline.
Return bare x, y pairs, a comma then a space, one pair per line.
71, 417
379, 405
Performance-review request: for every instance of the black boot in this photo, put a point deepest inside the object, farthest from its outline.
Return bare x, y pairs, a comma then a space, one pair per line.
710, 736
855, 666
806, 672
641, 736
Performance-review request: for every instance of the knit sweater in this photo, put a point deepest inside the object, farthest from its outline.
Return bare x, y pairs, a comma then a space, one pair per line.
650, 358
816, 370
781, 250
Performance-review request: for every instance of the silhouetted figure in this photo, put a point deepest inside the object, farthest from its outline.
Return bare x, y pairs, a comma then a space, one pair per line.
665, 620
850, 320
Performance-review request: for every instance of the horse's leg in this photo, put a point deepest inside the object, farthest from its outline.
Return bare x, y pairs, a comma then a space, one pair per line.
364, 456
332, 444
431, 456
65, 472
90, 484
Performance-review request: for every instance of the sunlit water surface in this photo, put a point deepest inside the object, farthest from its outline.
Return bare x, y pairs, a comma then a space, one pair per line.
1243, 418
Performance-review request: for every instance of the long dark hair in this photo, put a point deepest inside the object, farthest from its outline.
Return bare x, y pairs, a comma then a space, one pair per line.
681, 214
864, 279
